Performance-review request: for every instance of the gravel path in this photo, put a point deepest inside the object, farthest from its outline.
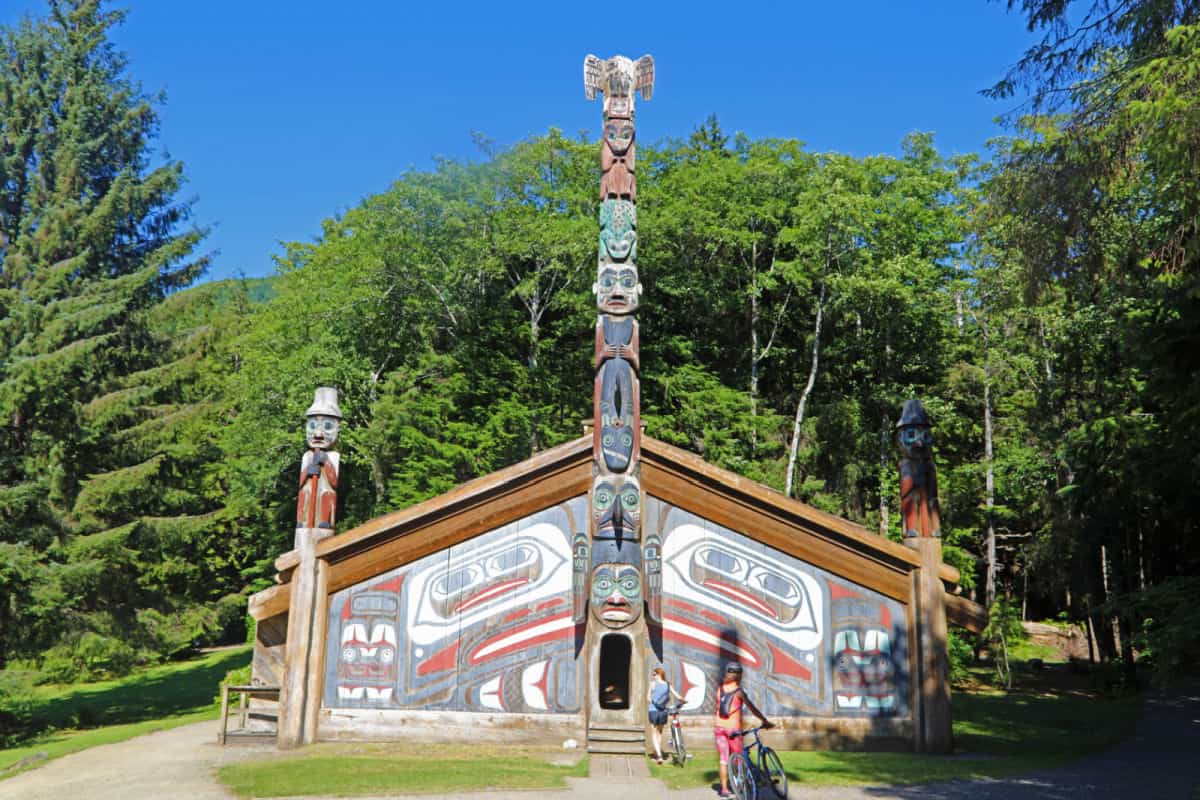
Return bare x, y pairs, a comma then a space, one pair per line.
176, 764
1161, 761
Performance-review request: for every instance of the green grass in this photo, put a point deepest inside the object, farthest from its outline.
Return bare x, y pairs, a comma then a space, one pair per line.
77, 716
380, 770
1024, 651
996, 734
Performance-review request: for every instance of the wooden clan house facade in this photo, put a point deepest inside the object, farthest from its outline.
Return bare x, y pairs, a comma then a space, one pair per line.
533, 603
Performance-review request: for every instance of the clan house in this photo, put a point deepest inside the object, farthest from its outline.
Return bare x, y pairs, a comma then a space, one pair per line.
533, 603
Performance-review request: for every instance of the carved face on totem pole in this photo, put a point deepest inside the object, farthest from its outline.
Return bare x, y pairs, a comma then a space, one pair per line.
616, 595
617, 507
618, 230
919, 508
914, 432
618, 135
323, 419
617, 288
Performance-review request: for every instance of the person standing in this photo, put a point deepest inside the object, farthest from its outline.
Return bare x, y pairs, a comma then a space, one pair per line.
727, 728
658, 698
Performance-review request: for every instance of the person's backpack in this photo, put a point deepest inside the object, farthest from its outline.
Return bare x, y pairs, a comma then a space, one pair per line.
660, 695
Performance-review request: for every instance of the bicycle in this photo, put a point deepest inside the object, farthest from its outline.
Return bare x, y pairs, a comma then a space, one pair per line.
745, 775
681, 755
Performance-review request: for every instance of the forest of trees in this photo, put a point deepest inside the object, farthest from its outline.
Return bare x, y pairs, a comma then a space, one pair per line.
1042, 299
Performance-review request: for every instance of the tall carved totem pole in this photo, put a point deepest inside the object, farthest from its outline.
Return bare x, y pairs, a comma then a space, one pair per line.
316, 512
921, 519
625, 571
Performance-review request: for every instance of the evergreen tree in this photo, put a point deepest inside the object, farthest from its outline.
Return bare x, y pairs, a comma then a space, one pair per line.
91, 241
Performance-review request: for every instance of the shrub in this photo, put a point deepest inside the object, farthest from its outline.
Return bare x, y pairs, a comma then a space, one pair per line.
89, 656
1169, 639
16, 708
961, 653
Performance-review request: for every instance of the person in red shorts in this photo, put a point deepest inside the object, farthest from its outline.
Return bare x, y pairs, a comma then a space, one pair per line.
730, 699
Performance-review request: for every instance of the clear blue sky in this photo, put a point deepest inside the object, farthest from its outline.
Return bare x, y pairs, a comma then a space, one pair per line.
285, 113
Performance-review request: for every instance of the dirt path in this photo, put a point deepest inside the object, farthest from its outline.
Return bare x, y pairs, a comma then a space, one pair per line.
178, 763
1162, 760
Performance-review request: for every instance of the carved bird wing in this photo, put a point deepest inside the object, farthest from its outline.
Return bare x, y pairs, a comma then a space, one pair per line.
645, 76
593, 68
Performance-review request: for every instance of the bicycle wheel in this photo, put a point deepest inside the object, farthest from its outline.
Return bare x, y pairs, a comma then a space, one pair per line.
677, 744
741, 777
772, 770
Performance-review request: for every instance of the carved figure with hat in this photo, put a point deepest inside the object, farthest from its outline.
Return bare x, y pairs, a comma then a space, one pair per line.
316, 505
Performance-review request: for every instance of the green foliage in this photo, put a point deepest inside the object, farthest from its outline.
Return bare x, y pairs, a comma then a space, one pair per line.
1169, 640
961, 654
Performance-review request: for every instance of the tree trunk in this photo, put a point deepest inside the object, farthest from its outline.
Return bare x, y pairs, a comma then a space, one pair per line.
884, 464
990, 499
754, 314
534, 332
808, 387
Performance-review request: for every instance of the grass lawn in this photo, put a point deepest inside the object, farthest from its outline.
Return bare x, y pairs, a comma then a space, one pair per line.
79, 716
1047, 722
346, 770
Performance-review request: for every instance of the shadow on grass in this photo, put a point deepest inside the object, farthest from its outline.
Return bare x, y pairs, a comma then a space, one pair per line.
159, 692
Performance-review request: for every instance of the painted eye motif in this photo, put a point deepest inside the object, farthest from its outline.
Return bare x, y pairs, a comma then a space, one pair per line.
721, 561
630, 586
627, 440
603, 498
387, 655
607, 440
349, 654
775, 585
604, 584
511, 560
328, 425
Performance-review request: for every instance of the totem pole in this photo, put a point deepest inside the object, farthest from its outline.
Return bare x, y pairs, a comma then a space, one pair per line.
918, 479
316, 505
316, 512
618, 587
922, 532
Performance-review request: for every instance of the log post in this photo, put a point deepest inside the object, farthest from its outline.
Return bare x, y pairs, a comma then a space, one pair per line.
308, 612
921, 517
933, 690
300, 693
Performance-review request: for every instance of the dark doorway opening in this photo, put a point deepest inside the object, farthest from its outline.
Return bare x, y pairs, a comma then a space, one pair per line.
615, 651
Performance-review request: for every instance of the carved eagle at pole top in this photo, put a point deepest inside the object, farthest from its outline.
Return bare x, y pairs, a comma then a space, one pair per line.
618, 76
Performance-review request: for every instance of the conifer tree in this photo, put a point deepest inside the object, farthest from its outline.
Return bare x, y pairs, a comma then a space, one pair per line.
92, 239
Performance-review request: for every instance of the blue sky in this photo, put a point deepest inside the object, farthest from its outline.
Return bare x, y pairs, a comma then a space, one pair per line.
285, 113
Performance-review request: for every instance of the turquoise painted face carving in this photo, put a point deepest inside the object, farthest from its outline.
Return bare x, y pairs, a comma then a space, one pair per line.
618, 230
616, 596
916, 441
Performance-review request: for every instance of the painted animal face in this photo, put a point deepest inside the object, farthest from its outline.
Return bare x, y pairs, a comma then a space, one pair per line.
616, 596
718, 571
485, 581
617, 289
618, 230
367, 664
616, 507
916, 441
321, 431
863, 669
619, 135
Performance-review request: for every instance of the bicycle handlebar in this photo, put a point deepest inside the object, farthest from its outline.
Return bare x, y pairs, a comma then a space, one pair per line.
766, 726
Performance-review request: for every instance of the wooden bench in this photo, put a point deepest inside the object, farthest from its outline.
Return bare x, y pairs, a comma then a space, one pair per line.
243, 709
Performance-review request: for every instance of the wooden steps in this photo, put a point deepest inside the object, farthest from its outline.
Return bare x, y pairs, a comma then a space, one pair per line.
623, 740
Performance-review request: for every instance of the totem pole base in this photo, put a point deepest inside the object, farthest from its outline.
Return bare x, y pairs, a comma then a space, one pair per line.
304, 664
933, 677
